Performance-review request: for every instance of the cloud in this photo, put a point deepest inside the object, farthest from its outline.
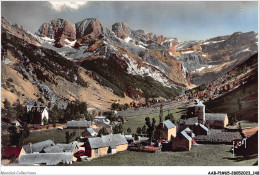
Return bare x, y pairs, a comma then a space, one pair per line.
58, 6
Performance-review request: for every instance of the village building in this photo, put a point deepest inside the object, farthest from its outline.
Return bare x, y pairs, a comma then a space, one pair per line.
12, 153
219, 136
136, 140
47, 158
216, 120
97, 126
165, 130
69, 147
38, 113
249, 144
109, 144
81, 124
183, 141
38, 147
90, 132
46, 152
52, 149
101, 119
211, 120
200, 129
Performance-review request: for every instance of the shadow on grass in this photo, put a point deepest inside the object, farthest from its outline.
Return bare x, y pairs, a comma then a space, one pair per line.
242, 158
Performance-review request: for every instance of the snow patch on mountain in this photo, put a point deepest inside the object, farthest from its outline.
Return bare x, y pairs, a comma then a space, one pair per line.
128, 39
146, 71
212, 42
66, 51
187, 52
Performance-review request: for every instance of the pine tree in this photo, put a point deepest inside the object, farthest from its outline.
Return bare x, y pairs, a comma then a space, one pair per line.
102, 132
150, 128
161, 113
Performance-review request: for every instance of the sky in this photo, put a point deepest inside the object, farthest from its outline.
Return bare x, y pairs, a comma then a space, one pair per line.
194, 20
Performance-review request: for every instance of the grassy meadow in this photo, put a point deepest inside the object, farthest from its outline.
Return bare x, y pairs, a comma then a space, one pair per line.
139, 121
58, 136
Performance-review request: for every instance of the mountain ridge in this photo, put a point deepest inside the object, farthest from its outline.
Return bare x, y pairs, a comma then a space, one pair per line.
154, 65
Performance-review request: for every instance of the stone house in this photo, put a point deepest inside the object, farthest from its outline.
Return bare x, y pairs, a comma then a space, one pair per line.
183, 141
38, 113
104, 145
167, 130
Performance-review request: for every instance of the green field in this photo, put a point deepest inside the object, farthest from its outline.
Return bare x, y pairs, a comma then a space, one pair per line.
249, 125
58, 136
139, 121
201, 155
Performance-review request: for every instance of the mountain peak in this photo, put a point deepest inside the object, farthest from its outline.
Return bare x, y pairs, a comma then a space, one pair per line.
121, 30
89, 26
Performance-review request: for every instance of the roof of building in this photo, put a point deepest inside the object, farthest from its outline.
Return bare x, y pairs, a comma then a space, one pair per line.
100, 117
47, 158
37, 147
248, 132
200, 104
107, 140
67, 147
100, 125
7, 152
91, 131
215, 116
96, 142
81, 123
53, 149
204, 127
38, 108
189, 121
219, 135
169, 124
188, 129
185, 135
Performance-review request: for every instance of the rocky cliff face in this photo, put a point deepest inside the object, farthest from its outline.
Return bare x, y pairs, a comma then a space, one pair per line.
121, 30
60, 30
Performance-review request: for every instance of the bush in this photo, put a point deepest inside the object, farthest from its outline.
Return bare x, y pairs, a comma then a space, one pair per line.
10, 80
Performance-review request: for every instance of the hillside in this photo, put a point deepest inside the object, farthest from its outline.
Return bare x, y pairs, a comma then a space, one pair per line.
44, 74
90, 62
235, 93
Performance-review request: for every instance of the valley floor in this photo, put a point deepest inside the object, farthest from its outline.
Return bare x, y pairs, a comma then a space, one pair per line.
200, 155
